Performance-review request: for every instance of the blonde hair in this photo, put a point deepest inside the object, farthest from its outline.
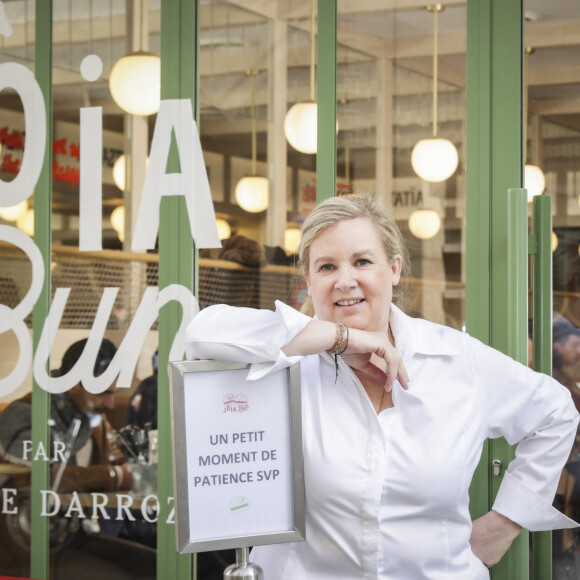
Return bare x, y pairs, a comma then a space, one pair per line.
337, 209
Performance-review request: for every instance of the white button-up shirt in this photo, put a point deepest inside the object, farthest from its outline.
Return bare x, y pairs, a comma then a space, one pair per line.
387, 495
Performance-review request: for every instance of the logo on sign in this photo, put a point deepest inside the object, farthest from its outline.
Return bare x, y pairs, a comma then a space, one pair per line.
239, 504
235, 403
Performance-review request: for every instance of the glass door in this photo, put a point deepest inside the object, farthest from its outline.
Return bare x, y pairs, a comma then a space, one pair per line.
387, 76
551, 146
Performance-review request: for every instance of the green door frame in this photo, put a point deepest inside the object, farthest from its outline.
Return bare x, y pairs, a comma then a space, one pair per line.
179, 80
494, 162
326, 99
40, 434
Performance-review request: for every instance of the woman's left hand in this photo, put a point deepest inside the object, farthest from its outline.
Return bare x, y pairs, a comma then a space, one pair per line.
372, 353
491, 536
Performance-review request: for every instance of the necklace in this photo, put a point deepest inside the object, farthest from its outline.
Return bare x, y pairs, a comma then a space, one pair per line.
392, 341
381, 403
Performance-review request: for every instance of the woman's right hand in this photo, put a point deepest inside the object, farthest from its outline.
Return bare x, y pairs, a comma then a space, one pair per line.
373, 354
369, 352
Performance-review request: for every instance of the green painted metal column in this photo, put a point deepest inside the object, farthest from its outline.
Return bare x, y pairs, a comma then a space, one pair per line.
542, 342
518, 274
478, 180
516, 563
494, 164
326, 99
40, 476
542, 284
179, 80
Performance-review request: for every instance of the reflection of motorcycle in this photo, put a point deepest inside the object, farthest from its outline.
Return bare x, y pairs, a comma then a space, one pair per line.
140, 446
135, 442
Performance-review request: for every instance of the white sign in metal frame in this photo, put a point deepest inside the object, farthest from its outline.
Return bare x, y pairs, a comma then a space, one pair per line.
237, 456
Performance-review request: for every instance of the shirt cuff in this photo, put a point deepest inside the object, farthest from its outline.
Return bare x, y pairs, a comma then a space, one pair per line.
295, 322
260, 370
525, 507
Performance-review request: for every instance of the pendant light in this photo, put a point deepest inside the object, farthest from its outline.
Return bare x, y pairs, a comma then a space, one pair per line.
120, 171
25, 222
13, 212
135, 79
224, 228
534, 178
118, 221
292, 237
252, 192
434, 159
424, 223
300, 124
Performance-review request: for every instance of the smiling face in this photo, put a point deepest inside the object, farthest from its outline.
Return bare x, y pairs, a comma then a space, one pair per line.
349, 278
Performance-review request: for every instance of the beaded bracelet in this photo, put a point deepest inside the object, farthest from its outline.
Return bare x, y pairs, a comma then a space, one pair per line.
340, 344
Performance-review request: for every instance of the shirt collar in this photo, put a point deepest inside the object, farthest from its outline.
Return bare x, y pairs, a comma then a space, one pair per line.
418, 336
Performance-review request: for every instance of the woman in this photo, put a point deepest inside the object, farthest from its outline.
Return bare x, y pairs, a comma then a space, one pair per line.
395, 413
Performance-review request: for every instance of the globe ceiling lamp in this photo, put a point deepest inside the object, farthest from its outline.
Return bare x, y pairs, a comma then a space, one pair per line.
292, 237
120, 169
25, 222
252, 192
300, 124
135, 79
424, 223
118, 221
434, 159
119, 172
554, 241
224, 229
534, 180
14, 212
135, 83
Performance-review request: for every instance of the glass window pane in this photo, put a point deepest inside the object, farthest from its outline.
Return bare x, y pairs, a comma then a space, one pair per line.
552, 153
99, 452
386, 100
17, 47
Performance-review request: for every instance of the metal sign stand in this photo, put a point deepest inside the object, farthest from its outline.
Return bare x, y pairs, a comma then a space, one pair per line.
243, 569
